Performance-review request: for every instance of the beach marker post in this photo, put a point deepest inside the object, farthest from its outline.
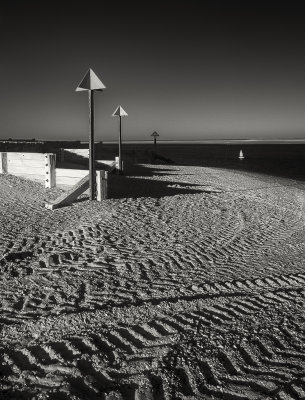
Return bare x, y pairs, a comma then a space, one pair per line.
102, 185
3, 163
91, 83
120, 112
50, 170
155, 135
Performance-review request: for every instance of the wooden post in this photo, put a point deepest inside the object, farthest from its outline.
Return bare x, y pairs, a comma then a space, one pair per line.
120, 148
102, 185
120, 112
91, 146
50, 164
155, 135
117, 164
91, 83
3, 163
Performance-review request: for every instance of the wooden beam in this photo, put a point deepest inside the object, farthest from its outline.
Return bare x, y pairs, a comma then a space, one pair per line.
25, 156
79, 152
68, 176
26, 168
23, 163
26, 164
118, 165
50, 164
71, 173
101, 185
117, 162
3, 163
110, 163
68, 197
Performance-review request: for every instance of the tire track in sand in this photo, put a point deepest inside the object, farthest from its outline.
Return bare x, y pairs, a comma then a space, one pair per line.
125, 356
142, 260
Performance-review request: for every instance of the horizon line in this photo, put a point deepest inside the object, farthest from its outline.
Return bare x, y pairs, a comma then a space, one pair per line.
160, 141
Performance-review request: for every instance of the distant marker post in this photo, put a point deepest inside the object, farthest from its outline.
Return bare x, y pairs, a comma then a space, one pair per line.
91, 83
120, 112
155, 135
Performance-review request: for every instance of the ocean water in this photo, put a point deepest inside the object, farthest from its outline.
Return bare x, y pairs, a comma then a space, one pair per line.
279, 159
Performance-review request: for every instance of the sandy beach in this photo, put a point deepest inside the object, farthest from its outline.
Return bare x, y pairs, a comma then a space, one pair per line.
187, 283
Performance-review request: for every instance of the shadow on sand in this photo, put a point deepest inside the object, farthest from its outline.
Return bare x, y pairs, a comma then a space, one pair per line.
136, 183
141, 180
278, 160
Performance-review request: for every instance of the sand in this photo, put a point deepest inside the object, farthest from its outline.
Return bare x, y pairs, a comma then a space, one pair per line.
187, 284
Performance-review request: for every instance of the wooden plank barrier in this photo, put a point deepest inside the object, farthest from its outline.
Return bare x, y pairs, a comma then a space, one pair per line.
79, 188
42, 168
69, 177
101, 185
74, 155
112, 164
72, 194
37, 167
81, 156
79, 152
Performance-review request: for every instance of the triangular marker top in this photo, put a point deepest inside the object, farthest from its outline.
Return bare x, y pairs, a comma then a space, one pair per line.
155, 134
90, 82
120, 112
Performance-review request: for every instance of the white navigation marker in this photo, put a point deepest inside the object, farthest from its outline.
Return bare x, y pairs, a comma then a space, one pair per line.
241, 155
120, 112
91, 83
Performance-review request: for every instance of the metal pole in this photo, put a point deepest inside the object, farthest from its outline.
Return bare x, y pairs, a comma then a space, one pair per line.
155, 141
91, 146
120, 148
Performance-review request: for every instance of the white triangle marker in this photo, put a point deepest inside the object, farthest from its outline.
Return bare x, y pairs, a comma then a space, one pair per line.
90, 82
120, 112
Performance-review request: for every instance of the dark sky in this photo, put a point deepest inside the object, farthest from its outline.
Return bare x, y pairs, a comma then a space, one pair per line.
190, 69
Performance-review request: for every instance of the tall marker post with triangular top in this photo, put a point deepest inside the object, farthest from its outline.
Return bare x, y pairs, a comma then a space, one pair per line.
120, 112
155, 135
91, 83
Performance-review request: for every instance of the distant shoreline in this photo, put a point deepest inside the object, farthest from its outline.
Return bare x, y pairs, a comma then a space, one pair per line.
213, 141
66, 143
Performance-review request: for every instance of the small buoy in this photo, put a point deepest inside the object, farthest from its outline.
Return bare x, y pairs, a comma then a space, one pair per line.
241, 155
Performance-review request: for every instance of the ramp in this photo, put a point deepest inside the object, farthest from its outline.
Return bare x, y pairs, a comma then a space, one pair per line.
69, 196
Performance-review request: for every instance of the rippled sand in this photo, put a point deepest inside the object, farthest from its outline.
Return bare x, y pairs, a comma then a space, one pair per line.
188, 283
